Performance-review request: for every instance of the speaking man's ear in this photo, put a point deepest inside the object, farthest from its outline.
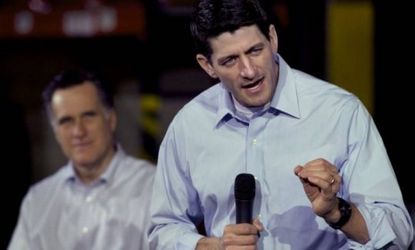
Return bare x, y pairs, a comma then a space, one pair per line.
206, 65
273, 38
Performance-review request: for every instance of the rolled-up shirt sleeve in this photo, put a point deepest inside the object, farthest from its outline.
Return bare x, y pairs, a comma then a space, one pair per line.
370, 183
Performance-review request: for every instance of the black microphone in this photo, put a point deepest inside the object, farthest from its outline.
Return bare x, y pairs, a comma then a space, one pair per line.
244, 197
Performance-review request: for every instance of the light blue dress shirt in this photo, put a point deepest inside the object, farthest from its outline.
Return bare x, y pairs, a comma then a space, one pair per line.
61, 213
207, 145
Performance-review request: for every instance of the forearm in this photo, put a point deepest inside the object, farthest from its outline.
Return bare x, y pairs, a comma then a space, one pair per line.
355, 229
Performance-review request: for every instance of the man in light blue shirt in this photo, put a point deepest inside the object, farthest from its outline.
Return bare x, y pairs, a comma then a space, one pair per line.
100, 199
323, 177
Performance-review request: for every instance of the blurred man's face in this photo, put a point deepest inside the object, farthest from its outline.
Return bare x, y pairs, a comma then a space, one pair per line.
83, 126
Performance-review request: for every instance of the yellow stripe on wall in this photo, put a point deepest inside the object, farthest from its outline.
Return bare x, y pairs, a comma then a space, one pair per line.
350, 48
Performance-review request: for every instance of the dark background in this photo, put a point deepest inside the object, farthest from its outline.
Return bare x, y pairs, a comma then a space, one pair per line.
27, 63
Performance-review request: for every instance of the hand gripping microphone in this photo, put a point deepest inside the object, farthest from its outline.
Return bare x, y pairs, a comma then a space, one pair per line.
244, 197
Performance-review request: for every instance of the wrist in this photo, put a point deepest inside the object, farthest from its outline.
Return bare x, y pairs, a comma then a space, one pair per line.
333, 215
339, 216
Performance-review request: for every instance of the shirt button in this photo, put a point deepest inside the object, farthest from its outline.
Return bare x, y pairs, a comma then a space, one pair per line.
254, 141
85, 230
88, 199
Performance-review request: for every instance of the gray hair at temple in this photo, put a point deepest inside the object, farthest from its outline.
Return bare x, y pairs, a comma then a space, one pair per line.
73, 77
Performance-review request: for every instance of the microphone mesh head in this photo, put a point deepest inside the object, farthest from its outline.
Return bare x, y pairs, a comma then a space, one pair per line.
244, 187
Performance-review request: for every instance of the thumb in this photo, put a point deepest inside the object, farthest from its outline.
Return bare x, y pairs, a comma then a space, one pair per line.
258, 224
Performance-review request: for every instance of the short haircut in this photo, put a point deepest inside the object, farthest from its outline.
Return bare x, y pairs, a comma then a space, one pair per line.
74, 77
213, 17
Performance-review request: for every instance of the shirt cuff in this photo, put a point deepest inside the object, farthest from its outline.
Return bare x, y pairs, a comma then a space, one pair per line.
380, 231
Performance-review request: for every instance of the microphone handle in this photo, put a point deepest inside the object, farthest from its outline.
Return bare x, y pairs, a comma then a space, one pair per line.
243, 211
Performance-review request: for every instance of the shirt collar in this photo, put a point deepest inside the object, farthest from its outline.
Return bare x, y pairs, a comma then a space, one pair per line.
225, 106
106, 177
285, 98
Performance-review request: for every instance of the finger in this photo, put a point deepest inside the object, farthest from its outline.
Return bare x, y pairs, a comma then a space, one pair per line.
321, 164
322, 183
329, 185
317, 176
319, 168
239, 240
241, 229
324, 177
243, 234
297, 172
318, 161
298, 169
258, 224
